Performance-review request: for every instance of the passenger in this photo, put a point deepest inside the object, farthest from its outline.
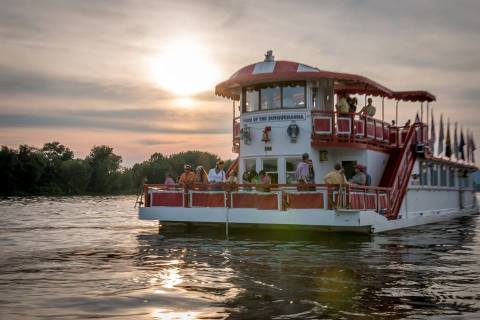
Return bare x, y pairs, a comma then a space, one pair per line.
342, 105
254, 177
246, 177
393, 123
169, 180
301, 174
264, 181
217, 174
200, 175
311, 172
352, 105
264, 177
232, 179
359, 177
336, 177
369, 109
368, 178
188, 177
232, 182
407, 124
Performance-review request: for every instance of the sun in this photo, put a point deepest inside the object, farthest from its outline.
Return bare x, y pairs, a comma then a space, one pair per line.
184, 68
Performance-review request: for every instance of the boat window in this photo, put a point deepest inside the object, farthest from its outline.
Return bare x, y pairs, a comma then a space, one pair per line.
271, 168
291, 167
270, 98
293, 96
252, 97
451, 177
433, 175
250, 164
443, 176
424, 174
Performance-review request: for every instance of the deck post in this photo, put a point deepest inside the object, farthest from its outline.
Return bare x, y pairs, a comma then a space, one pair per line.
396, 113
421, 112
428, 118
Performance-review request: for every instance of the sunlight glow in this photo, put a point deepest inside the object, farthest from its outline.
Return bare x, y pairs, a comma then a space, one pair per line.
184, 68
166, 314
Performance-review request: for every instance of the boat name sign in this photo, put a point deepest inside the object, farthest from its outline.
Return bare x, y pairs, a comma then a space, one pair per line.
284, 116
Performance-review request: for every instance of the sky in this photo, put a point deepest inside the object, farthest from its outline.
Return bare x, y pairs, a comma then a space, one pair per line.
96, 72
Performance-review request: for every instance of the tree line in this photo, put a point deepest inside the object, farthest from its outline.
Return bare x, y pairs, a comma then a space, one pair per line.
54, 170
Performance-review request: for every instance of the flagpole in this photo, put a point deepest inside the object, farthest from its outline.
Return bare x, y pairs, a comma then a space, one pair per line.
421, 112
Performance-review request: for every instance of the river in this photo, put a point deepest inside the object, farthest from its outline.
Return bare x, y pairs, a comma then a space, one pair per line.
90, 257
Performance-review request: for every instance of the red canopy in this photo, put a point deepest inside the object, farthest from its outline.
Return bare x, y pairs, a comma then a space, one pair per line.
414, 96
277, 71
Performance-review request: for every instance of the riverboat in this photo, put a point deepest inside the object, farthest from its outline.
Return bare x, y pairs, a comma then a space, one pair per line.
286, 109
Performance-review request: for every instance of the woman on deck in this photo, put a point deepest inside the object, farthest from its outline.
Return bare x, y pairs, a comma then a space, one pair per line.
200, 175
217, 174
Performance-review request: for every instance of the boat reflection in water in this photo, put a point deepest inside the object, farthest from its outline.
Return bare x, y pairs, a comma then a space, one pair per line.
425, 271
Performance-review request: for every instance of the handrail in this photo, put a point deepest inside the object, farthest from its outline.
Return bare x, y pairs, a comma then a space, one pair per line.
358, 128
350, 190
405, 166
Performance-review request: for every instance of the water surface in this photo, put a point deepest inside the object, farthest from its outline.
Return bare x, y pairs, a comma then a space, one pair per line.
90, 257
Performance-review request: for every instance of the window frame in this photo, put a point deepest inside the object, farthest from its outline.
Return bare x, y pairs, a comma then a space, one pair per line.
281, 85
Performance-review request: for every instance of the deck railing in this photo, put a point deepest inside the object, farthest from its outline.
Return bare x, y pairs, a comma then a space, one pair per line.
331, 126
269, 197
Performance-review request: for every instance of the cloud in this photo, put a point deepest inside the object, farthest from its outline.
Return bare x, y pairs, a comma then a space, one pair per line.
14, 81
155, 142
69, 122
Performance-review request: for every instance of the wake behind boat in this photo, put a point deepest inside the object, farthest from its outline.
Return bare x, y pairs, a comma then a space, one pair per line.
287, 110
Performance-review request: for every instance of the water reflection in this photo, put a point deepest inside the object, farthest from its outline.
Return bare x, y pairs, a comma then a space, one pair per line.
271, 275
70, 258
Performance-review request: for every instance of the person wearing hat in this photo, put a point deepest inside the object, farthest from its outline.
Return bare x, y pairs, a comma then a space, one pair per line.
360, 177
188, 177
217, 174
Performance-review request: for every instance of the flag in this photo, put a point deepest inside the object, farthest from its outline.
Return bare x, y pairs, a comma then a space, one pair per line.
455, 142
472, 145
448, 146
441, 136
468, 146
461, 145
432, 136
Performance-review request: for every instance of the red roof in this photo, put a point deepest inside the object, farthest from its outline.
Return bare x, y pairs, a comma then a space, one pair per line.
414, 96
277, 71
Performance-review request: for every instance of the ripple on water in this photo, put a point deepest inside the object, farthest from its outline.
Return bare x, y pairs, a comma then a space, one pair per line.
81, 257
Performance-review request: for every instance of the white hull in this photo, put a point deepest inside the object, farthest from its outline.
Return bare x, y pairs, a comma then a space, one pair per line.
424, 206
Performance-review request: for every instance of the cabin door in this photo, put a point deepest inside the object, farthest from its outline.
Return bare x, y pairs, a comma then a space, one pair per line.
349, 167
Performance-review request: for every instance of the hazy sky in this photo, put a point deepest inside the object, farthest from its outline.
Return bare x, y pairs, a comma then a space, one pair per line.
80, 72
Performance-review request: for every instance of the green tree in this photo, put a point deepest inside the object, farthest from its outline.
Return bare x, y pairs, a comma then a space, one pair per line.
104, 166
29, 168
75, 174
8, 163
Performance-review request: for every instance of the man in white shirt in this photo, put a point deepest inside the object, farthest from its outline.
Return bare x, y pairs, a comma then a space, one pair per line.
217, 174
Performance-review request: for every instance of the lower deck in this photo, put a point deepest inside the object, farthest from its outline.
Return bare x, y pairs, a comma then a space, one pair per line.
363, 211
